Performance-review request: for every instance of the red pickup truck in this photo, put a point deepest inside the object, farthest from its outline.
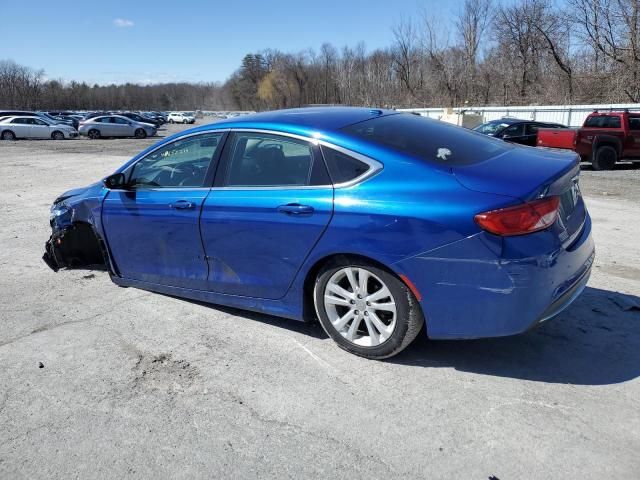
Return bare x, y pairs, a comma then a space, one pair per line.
605, 138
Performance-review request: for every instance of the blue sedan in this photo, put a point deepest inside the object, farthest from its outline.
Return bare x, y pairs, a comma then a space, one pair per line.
377, 223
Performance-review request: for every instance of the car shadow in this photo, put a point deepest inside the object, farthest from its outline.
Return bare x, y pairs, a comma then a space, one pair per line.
618, 166
596, 341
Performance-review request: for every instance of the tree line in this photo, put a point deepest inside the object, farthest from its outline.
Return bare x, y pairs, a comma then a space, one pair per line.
515, 53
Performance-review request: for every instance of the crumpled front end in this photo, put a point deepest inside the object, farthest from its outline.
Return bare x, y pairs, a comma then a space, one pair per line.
74, 242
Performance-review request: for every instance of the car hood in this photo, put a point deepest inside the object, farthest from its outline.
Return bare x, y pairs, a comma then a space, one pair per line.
521, 172
81, 192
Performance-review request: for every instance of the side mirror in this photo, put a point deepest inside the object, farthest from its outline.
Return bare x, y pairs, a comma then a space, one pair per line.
115, 181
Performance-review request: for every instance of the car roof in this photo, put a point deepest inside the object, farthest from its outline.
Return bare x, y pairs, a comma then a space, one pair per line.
323, 118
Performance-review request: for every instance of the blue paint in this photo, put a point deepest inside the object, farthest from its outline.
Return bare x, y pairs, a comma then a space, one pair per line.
236, 246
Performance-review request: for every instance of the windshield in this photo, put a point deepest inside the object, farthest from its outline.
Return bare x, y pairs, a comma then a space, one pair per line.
491, 128
428, 139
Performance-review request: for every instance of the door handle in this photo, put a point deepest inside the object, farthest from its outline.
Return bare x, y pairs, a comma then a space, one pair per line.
295, 209
182, 205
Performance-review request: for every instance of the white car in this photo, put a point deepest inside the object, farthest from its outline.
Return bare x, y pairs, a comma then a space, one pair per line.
181, 117
12, 128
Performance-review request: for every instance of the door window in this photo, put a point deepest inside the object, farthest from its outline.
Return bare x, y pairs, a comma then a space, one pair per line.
531, 129
265, 160
343, 168
120, 121
183, 163
514, 131
634, 123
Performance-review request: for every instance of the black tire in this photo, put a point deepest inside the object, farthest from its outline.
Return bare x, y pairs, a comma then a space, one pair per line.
171, 121
605, 158
185, 121
93, 134
409, 318
140, 133
8, 135
57, 135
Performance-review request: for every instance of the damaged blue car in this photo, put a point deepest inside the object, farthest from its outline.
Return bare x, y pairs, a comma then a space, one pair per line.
379, 224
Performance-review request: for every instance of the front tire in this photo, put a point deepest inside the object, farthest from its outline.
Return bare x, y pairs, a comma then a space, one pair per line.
171, 121
8, 135
57, 135
366, 310
140, 133
605, 158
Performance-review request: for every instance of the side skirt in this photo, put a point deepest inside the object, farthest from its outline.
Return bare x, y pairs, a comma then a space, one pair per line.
260, 305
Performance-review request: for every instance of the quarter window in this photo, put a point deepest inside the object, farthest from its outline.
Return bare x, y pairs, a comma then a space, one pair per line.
265, 160
343, 168
183, 163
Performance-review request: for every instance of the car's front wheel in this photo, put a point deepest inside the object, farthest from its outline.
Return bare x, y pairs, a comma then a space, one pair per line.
57, 135
140, 133
366, 310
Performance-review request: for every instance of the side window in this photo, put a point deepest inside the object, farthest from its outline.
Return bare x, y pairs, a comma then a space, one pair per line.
265, 160
614, 122
514, 131
531, 129
634, 123
343, 168
37, 121
120, 121
183, 163
19, 121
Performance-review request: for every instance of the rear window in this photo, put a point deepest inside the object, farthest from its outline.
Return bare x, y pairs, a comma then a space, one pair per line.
602, 121
428, 139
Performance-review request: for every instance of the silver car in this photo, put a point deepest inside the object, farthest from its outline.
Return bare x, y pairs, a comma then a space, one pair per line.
115, 126
12, 128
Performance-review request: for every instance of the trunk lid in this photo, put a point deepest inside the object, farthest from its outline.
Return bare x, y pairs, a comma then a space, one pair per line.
527, 174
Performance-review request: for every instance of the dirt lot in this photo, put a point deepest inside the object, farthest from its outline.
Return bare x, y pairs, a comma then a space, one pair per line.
140, 385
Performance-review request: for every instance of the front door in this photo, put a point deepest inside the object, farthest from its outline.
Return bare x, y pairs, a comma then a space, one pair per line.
153, 226
271, 204
632, 149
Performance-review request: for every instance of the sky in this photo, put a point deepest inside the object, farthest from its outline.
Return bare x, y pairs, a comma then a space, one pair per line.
118, 41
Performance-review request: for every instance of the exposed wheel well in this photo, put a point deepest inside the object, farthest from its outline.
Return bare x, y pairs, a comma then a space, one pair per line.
79, 246
309, 312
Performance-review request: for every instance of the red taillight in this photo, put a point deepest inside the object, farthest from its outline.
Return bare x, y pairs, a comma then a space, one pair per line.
526, 218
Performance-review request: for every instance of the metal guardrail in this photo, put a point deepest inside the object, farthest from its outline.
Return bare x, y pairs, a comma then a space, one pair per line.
570, 115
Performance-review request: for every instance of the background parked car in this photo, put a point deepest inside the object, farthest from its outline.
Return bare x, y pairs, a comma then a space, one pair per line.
523, 132
115, 126
141, 118
604, 138
12, 128
181, 117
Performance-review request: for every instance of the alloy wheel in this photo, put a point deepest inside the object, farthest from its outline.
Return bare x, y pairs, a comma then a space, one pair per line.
360, 306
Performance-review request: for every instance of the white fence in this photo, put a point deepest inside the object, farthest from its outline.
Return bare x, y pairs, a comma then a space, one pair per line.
570, 115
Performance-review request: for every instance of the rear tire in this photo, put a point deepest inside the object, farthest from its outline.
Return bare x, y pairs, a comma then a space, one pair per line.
57, 135
94, 134
8, 135
605, 158
140, 133
384, 316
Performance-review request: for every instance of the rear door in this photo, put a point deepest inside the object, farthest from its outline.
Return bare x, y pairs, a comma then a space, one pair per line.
633, 150
271, 203
153, 227
21, 127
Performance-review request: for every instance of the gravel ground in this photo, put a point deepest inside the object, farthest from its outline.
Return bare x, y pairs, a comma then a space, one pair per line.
104, 382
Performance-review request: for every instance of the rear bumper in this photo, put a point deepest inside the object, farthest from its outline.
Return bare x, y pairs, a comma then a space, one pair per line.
486, 286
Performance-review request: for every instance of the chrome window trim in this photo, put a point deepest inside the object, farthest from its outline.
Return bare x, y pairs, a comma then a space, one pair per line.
374, 165
162, 145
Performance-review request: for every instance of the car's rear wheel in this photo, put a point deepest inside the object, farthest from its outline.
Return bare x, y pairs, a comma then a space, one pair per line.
8, 135
94, 134
140, 133
57, 135
366, 310
605, 158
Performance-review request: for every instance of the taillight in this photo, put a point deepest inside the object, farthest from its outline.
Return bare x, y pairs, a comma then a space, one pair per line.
522, 219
